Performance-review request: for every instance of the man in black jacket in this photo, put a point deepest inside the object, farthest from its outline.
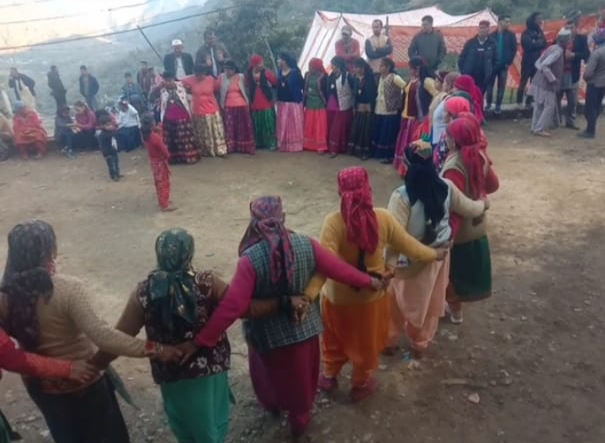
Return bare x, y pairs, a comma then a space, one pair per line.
57, 89
178, 62
533, 43
17, 81
506, 50
478, 57
576, 52
89, 87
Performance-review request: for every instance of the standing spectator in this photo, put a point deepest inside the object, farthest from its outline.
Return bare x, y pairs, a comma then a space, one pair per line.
178, 61
128, 135
89, 87
57, 89
212, 54
348, 48
479, 56
546, 84
145, 78
23, 86
378, 46
594, 75
506, 44
576, 51
428, 44
533, 43
134, 93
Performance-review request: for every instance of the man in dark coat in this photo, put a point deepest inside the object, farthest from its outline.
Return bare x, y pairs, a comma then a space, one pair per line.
478, 57
178, 61
89, 87
428, 44
18, 81
57, 89
212, 53
576, 52
506, 50
533, 43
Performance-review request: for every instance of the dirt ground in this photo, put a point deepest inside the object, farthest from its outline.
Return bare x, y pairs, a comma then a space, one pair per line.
532, 353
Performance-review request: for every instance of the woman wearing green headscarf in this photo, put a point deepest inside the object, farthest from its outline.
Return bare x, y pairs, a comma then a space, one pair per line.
174, 303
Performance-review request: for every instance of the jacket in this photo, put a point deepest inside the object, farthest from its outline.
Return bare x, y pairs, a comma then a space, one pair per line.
93, 85
170, 63
477, 59
55, 84
203, 57
549, 69
430, 46
22, 80
533, 43
582, 52
376, 48
509, 50
594, 73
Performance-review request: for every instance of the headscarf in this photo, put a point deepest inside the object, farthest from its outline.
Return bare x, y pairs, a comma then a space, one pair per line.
357, 208
172, 286
290, 61
599, 37
267, 223
256, 60
467, 84
466, 133
482, 137
27, 278
455, 105
423, 183
317, 65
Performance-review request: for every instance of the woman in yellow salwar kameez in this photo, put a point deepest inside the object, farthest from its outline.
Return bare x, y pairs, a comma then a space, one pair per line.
356, 321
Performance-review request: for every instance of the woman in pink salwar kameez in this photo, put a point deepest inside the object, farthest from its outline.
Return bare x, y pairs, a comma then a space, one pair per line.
418, 290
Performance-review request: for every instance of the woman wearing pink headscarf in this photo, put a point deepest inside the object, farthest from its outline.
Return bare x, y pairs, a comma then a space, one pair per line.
465, 83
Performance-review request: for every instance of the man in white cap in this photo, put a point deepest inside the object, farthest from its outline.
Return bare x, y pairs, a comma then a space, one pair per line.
347, 47
547, 82
178, 62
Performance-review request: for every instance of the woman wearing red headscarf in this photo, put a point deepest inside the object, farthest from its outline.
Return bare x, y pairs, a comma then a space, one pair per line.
261, 83
316, 117
465, 83
469, 168
283, 347
356, 322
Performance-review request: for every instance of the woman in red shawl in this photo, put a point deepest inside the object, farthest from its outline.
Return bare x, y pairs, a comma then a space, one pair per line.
356, 321
261, 83
465, 83
469, 168
30, 135
316, 117
283, 347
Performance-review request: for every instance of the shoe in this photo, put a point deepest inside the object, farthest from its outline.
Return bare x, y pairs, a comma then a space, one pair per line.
488, 108
116, 179
327, 384
389, 351
386, 161
542, 134
585, 134
498, 110
572, 126
333, 155
169, 209
456, 317
358, 394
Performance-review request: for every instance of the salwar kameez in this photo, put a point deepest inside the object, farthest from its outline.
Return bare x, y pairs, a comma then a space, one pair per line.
198, 409
285, 379
210, 134
161, 180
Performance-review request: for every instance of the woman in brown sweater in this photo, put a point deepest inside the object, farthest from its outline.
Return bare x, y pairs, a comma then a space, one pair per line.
50, 314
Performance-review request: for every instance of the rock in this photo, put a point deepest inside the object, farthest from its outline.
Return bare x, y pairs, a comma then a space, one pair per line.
326, 431
474, 398
45, 434
382, 367
452, 337
414, 364
368, 437
523, 318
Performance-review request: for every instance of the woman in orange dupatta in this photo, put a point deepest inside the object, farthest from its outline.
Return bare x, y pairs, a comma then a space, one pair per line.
30, 135
356, 323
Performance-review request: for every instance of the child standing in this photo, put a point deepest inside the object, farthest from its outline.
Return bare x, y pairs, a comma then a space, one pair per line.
158, 159
109, 147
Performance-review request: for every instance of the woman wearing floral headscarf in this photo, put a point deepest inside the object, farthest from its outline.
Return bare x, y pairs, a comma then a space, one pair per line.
261, 83
283, 354
316, 117
355, 323
50, 314
469, 168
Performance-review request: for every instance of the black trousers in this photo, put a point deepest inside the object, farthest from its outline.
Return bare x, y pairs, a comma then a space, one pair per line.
499, 75
592, 107
113, 164
89, 416
527, 74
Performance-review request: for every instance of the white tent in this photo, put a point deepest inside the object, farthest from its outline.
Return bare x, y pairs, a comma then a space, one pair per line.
325, 30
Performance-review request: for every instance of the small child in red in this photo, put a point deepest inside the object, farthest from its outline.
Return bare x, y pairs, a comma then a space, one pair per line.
158, 160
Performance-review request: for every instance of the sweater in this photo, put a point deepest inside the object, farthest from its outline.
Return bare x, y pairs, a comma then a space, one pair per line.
334, 238
430, 46
594, 73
